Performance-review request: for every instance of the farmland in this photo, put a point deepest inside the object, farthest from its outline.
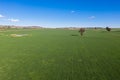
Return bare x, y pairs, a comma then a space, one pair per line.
57, 54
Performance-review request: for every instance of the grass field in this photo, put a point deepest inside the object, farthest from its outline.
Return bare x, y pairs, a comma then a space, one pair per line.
48, 54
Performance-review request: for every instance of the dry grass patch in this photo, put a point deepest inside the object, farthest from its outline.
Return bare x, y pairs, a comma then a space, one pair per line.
18, 35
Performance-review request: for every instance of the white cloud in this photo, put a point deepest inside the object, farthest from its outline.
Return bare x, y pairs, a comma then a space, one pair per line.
92, 17
72, 11
14, 20
1, 16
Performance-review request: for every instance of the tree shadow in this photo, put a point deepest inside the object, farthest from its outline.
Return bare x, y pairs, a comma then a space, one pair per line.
74, 35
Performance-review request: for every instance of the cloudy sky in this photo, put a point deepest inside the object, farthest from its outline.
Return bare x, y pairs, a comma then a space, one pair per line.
60, 13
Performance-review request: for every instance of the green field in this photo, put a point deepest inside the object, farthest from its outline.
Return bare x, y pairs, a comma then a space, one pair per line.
56, 54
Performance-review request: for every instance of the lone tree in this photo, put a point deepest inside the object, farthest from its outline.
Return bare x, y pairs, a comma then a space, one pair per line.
108, 29
82, 30
95, 28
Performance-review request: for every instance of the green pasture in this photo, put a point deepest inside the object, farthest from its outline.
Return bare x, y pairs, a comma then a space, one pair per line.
57, 54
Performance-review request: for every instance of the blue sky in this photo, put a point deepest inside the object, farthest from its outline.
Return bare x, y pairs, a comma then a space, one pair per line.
60, 13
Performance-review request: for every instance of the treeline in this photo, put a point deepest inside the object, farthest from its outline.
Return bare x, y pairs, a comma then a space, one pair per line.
4, 27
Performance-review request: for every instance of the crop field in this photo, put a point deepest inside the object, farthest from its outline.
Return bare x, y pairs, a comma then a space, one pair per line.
58, 54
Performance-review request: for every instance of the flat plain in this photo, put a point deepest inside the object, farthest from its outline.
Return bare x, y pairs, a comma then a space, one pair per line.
58, 54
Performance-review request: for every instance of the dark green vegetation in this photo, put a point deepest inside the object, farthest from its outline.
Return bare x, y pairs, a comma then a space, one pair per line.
60, 55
